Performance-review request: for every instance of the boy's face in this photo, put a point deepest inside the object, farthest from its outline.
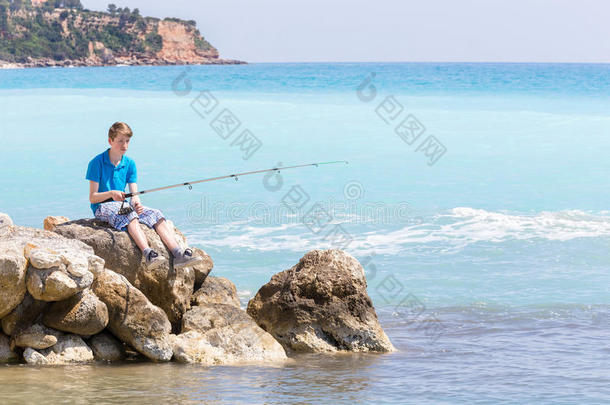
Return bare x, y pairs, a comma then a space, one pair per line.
120, 144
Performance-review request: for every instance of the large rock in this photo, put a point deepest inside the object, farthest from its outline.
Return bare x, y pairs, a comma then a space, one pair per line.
69, 349
36, 336
13, 266
132, 317
320, 305
7, 355
204, 268
169, 289
48, 255
83, 314
54, 276
217, 334
106, 348
216, 290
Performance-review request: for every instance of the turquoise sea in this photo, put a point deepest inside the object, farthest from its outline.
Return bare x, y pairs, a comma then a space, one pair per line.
476, 196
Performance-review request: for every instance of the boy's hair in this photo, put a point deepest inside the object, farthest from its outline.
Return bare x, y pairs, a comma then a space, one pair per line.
119, 128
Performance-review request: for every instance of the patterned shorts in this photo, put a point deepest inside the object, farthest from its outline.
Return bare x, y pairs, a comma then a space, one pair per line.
108, 212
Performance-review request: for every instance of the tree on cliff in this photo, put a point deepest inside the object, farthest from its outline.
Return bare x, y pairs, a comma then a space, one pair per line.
112, 9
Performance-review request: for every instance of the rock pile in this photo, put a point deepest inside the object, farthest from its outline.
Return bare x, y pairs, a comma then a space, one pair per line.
78, 291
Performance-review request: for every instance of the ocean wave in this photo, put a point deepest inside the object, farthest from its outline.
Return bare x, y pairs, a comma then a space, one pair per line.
445, 232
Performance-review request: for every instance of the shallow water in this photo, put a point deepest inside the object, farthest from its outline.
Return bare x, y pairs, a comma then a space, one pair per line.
488, 269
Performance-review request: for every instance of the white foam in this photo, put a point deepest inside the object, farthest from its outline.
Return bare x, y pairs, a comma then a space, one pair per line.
447, 232
463, 226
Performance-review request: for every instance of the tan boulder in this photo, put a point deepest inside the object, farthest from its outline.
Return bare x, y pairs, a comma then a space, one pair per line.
82, 314
52, 253
13, 267
216, 290
55, 283
69, 349
320, 305
37, 336
132, 317
50, 223
217, 334
204, 268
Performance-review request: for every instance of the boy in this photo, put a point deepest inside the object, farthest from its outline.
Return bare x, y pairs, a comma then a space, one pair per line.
108, 173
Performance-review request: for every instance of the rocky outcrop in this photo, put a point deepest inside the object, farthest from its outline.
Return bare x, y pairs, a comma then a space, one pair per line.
61, 303
132, 318
126, 39
320, 305
169, 289
224, 334
216, 290
179, 44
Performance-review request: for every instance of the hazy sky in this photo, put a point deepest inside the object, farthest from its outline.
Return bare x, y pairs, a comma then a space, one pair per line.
394, 30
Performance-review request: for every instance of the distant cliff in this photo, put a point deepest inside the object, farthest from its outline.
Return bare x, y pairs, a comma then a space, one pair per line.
40, 33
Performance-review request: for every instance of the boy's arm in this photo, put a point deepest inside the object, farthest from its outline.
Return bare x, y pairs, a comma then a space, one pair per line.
133, 188
95, 197
135, 200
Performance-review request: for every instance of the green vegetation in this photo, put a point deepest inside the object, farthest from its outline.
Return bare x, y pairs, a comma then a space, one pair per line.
53, 30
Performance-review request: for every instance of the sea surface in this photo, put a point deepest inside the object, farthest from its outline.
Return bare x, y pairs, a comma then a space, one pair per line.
476, 197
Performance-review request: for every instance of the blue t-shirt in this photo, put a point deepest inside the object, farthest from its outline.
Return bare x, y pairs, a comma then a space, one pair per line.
110, 177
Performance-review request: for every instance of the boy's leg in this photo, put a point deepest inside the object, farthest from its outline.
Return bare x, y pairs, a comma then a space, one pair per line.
167, 236
137, 234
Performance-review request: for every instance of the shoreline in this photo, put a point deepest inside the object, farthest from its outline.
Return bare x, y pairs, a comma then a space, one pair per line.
49, 63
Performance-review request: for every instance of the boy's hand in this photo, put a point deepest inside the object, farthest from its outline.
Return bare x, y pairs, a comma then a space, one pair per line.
137, 205
117, 195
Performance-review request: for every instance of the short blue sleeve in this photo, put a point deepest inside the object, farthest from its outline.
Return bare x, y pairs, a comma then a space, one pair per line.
94, 171
132, 173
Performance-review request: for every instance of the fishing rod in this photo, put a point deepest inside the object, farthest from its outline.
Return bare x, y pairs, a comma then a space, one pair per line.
126, 210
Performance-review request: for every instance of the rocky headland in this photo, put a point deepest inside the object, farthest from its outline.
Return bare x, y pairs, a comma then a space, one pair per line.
78, 291
53, 33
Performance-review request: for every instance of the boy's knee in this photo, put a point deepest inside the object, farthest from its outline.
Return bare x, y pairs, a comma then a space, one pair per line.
134, 221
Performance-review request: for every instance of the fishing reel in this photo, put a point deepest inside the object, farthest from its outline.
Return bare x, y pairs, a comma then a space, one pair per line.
125, 210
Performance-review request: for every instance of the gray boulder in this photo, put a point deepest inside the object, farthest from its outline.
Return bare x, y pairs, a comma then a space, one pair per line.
106, 348
7, 355
320, 305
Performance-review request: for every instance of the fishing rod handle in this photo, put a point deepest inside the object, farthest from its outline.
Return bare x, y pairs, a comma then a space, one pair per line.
110, 199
